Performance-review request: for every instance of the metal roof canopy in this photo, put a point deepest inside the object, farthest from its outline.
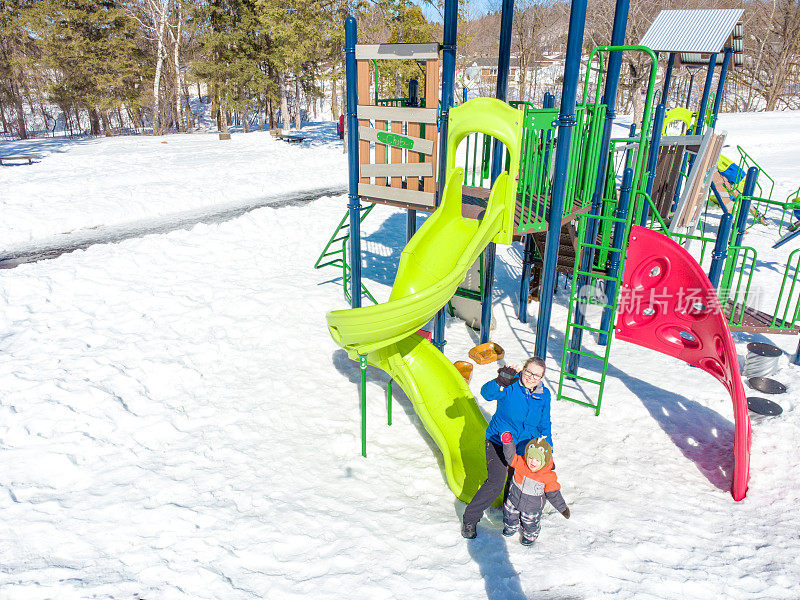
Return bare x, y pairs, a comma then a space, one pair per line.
694, 33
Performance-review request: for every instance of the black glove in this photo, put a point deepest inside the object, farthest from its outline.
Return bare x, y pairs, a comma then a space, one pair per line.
566, 513
505, 376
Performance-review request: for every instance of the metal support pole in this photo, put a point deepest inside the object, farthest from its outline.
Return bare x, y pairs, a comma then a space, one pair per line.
652, 160
745, 199
692, 73
411, 224
796, 358
721, 85
503, 62
668, 78
354, 206
614, 258
389, 403
720, 252
413, 92
629, 152
701, 116
566, 122
741, 225
362, 362
610, 100
448, 81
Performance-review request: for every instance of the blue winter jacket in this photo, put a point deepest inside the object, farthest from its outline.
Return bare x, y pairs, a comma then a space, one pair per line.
525, 414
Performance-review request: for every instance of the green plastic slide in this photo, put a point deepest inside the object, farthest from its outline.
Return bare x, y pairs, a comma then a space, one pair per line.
432, 266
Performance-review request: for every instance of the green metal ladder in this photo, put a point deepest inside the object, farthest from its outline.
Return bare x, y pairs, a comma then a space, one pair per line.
335, 253
589, 295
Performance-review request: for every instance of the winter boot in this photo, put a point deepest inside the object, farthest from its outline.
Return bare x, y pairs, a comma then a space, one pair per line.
469, 530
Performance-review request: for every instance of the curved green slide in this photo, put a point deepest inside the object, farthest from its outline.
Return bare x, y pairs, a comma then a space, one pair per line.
432, 266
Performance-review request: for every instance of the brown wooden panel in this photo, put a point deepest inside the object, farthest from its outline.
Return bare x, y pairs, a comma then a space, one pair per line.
668, 168
362, 80
413, 183
431, 132
381, 153
397, 154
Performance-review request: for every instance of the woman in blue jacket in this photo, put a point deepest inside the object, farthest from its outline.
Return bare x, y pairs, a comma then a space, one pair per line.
523, 409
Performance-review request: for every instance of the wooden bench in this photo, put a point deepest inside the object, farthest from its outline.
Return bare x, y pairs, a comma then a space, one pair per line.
286, 137
18, 157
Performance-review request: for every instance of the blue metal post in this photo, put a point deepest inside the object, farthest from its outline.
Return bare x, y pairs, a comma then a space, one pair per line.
741, 225
566, 122
720, 252
652, 160
668, 78
354, 206
448, 82
701, 116
692, 73
610, 100
614, 258
628, 152
503, 61
796, 357
745, 199
411, 214
721, 84
464, 94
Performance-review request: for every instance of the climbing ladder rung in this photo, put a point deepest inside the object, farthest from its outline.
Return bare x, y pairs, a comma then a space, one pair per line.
587, 328
586, 354
590, 303
597, 275
576, 401
600, 247
582, 378
335, 263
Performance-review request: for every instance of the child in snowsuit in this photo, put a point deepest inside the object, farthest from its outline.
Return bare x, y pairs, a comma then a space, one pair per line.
534, 481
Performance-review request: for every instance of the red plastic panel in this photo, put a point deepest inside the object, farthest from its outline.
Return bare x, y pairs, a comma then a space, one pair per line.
668, 304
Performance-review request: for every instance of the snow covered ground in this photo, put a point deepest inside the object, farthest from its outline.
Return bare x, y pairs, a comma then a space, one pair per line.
176, 423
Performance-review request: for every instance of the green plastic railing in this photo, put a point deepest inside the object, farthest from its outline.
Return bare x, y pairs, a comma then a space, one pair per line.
786, 317
536, 166
742, 260
643, 151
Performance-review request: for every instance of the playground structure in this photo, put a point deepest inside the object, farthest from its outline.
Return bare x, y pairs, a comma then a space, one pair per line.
537, 170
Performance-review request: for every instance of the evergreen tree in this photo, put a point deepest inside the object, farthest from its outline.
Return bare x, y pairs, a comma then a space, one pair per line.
90, 47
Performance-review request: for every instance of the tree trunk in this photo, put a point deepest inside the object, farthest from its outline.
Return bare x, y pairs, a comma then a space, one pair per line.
22, 131
334, 100
223, 120
188, 108
176, 59
215, 104
270, 113
284, 102
107, 129
94, 121
6, 128
160, 13
298, 120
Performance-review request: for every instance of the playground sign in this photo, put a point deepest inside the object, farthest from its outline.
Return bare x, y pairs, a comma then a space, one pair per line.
395, 139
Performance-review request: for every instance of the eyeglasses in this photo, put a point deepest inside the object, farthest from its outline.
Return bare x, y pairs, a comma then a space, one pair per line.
532, 375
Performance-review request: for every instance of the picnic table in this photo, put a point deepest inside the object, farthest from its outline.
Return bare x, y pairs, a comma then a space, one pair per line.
4, 160
286, 137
